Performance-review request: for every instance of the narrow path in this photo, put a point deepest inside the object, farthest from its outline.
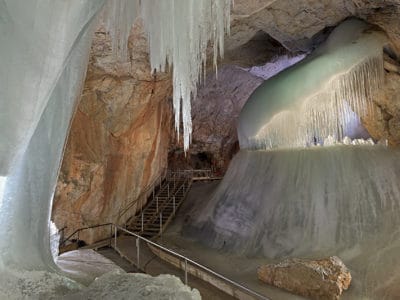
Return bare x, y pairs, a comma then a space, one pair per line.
123, 263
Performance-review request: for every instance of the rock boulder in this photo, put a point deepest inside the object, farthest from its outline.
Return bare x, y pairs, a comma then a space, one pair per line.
315, 279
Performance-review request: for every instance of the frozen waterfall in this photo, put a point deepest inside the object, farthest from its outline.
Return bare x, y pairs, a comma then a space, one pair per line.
323, 96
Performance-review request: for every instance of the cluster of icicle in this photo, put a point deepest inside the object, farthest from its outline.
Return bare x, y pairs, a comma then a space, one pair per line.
179, 32
328, 114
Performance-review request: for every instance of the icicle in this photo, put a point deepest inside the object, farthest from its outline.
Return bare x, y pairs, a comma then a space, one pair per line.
330, 113
118, 18
178, 33
322, 98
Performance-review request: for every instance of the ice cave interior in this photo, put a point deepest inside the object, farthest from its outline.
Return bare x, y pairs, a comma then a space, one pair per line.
295, 109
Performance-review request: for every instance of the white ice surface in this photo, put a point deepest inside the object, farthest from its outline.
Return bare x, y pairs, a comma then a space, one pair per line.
138, 287
179, 32
275, 66
324, 95
93, 277
44, 49
85, 265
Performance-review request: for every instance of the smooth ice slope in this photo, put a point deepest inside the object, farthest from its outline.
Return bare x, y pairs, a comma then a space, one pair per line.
304, 202
319, 96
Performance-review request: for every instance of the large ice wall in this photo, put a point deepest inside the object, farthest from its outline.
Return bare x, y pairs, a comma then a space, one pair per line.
304, 202
44, 46
323, 96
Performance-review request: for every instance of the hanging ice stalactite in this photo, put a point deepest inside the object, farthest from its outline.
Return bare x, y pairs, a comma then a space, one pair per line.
118, 17
179, 32
322, 98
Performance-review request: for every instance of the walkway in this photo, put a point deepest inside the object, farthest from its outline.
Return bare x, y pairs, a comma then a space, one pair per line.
151, 264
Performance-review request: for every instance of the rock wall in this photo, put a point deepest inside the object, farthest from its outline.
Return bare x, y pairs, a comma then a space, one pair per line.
214, 115
119, 137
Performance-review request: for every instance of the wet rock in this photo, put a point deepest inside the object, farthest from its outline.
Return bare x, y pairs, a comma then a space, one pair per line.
314, 279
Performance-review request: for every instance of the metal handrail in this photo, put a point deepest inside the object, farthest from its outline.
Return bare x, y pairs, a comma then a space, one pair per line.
62, 243
114, 234
143, 194
186, 259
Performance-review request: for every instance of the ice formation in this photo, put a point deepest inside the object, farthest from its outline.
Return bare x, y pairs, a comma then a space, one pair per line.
179, 32
137, 286
44, 48
324, 95
275, 66
54, 240
118, 17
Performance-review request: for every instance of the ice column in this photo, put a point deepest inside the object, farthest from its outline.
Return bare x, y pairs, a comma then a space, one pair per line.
318, 98
44, 46
179, 32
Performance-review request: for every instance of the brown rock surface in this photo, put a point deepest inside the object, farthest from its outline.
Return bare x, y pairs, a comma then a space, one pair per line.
119, 137
215, 112
314, 279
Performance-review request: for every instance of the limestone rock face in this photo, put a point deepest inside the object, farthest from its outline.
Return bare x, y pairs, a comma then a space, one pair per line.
119, 137
314, 279
215, 112
297, 26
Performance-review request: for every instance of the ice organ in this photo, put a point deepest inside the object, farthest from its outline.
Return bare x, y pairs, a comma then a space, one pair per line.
323, 96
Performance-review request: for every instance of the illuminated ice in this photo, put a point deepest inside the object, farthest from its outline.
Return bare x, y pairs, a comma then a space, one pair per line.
179, 32
324, 95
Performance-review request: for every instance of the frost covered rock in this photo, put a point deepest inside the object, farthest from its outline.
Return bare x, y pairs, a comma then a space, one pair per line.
137, 286
35, 285
316, 279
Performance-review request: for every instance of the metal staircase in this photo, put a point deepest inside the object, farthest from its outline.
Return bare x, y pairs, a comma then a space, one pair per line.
155, 216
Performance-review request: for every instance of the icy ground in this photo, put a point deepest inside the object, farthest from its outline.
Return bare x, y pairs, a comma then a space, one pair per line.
95, 277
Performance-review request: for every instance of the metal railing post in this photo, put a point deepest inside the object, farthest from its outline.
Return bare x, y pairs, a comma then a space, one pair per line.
142, 222
161, 224
138, 253
173, 201
186, 277
115, 237
111, 234
186, 261
157, 203
168, 189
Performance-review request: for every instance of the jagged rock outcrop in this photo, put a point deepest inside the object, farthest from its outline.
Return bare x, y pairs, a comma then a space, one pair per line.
314, 279
119, 137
